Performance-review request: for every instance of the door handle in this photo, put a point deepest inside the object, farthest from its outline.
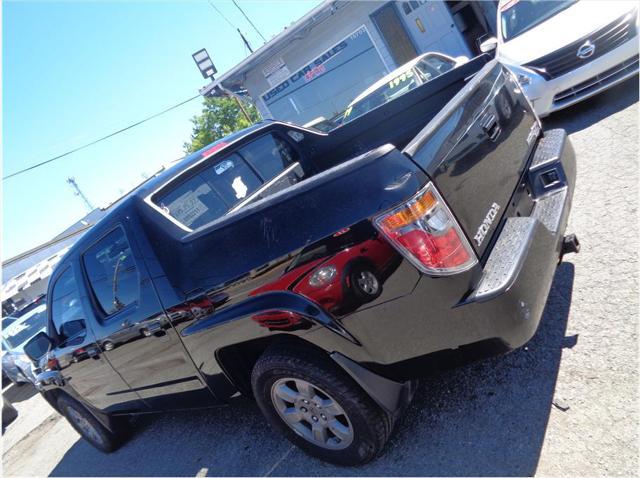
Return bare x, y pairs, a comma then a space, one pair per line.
491, 127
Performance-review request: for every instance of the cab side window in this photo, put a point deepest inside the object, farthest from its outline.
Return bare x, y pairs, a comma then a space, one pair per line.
66, 309
112, 272
231, 181
268, 155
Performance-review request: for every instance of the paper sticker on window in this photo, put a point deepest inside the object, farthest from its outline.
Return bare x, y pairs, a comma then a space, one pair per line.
187, 208
239, 187
223, 166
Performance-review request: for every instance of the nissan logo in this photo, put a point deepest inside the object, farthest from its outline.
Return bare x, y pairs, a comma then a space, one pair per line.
586, 50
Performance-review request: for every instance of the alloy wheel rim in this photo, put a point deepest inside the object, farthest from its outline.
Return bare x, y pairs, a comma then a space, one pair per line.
368, 282
87, 428
312, 413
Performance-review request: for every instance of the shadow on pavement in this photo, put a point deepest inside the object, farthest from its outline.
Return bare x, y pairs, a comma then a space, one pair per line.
19, 393
488, 418
592, 110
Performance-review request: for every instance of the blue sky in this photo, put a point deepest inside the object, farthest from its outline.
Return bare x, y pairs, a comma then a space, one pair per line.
74, 71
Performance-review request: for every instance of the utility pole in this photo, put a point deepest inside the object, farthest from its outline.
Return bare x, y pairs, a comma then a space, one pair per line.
79, 193
244, 112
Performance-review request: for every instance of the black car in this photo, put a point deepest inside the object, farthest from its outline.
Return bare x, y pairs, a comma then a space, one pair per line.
321, 273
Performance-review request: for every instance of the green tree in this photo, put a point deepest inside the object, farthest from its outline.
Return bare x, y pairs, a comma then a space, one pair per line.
219, 117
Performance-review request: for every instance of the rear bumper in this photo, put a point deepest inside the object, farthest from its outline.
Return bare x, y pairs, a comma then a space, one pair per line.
496, 307
512, 292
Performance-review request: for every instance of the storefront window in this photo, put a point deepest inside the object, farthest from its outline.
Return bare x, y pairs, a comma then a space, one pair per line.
329, 83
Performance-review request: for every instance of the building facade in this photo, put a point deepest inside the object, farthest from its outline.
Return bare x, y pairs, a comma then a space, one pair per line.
319, 64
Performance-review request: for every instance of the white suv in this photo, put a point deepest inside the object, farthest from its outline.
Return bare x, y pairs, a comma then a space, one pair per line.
565, 51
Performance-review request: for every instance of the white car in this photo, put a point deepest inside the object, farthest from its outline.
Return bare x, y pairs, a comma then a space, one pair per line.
565, 51
15, 364
412, 74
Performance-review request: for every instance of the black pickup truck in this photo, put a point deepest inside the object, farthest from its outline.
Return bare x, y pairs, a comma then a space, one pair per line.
321, 273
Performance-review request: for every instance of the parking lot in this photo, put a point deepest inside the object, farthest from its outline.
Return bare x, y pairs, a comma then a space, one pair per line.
565, 404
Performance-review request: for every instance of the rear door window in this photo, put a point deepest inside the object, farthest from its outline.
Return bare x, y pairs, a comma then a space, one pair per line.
236, 178
112, 272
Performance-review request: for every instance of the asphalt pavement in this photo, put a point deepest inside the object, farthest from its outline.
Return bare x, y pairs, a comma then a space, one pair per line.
566, 404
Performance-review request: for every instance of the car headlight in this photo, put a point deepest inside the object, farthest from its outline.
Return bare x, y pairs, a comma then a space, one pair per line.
323, 276
524, 76
523, 79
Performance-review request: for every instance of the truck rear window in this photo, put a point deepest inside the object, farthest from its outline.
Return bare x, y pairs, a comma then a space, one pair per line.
251, 173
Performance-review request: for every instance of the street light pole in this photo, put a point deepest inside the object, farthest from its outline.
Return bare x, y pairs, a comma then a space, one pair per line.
207, 68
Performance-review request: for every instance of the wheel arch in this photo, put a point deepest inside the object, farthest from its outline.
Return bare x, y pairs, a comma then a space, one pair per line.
238, 360
53, 396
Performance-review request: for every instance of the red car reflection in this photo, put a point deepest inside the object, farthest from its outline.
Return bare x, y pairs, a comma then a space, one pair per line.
339, 282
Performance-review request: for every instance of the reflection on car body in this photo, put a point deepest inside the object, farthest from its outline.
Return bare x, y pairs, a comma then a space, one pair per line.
340, 274
15, 364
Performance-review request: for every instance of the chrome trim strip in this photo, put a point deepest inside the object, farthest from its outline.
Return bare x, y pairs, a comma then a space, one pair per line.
594, 81
576, 99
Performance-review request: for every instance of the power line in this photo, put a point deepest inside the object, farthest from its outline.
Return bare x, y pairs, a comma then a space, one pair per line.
122, 130
244, 40
222, 14
250, 22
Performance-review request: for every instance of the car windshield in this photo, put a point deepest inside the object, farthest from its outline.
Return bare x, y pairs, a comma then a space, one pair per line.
517, 17
22, 331
396, 86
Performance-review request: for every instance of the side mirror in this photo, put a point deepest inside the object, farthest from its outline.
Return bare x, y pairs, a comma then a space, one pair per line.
39, 345
489, 45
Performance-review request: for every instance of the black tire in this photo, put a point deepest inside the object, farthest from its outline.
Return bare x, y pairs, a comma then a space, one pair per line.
9, 413
103, 439
360, 294
370, 425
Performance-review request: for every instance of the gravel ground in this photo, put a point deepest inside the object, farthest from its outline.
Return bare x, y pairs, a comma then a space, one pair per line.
567, 404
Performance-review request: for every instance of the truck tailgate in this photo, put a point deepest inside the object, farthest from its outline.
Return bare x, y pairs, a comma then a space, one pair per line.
477, 148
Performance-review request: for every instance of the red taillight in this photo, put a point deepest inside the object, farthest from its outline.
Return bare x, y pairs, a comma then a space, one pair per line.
425, 232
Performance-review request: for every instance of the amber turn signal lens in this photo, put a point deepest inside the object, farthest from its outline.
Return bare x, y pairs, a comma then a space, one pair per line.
413, 211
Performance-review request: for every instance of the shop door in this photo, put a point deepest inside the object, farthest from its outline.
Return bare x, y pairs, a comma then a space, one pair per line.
388, 22
432, 28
